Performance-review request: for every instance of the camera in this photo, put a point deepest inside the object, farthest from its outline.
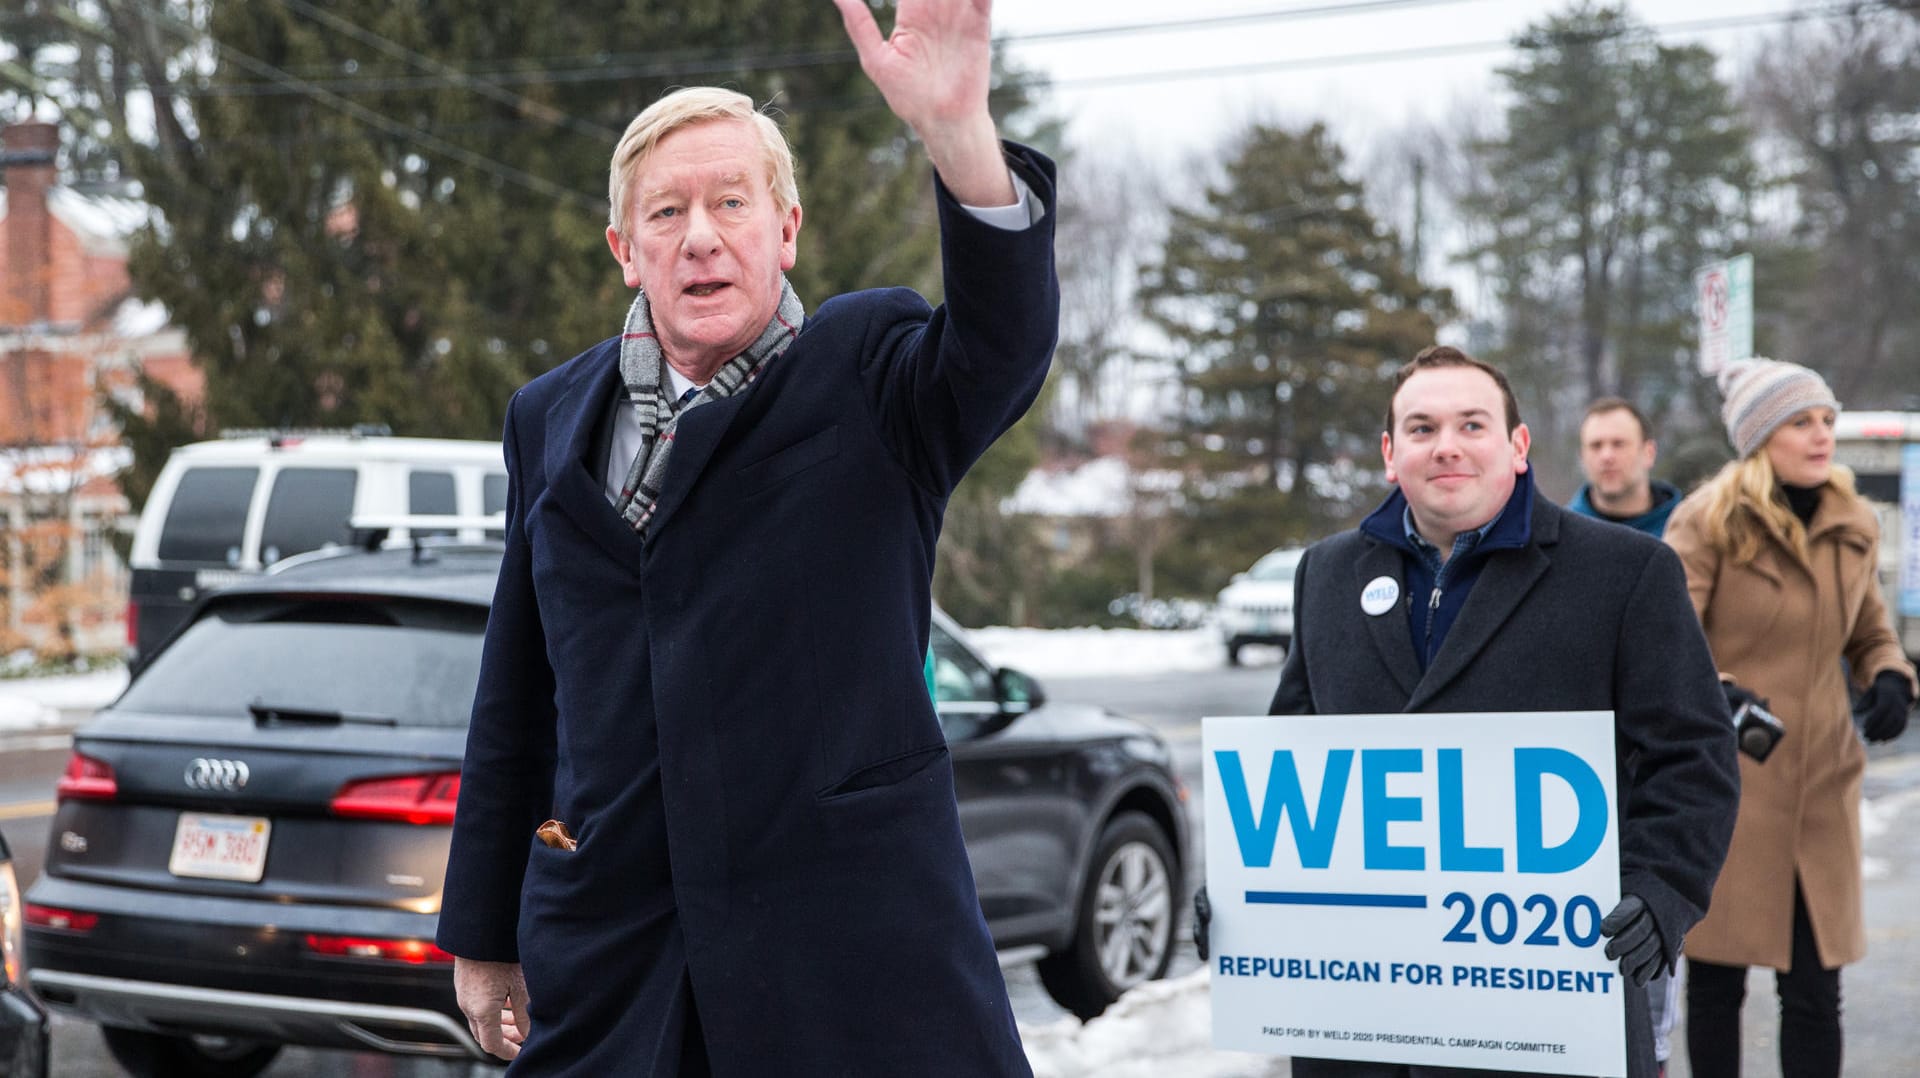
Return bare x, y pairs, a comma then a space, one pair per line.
1758, 730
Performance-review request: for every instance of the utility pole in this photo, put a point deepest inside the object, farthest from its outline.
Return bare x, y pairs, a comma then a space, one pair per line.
1419, 212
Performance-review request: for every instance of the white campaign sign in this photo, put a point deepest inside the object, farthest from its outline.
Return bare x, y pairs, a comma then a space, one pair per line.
1416, 889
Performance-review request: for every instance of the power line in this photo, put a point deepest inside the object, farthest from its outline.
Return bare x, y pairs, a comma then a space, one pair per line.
485, 89
722, 64
675, 62
433, 143
872, 101
1423, 52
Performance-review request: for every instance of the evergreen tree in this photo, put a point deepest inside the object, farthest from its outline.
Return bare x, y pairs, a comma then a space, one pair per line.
1291, 307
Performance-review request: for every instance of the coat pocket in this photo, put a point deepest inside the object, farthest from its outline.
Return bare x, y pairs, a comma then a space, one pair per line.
887, 772
786, 463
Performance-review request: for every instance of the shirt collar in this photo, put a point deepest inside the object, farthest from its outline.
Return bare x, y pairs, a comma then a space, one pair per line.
1462, 543
1511, 528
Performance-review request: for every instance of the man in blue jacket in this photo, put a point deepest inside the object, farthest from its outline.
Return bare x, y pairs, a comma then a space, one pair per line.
1617, 452
707, 820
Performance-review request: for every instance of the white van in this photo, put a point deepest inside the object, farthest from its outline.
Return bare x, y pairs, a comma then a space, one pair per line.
1883, 449
233, 507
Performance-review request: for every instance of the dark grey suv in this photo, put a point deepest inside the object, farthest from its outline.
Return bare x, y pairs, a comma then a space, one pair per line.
250, 843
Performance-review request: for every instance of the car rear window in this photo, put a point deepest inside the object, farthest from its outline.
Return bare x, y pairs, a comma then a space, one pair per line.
431, 494
413, 663
1880, 488
1277, 566
493, 499
207, 518
309, 508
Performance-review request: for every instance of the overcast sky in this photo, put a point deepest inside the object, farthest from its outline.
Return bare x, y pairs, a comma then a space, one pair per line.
1208, 66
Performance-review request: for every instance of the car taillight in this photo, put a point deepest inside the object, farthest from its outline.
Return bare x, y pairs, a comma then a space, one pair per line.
423, 799
86, 779
412, 952
12, 943
61, 920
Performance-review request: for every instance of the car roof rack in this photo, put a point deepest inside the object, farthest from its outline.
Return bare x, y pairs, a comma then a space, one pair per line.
374, 531
279, 436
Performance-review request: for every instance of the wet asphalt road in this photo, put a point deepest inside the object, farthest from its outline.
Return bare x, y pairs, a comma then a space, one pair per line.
1881, 994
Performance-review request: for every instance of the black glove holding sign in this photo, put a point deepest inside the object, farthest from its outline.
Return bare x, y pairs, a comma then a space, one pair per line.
1634, 939
1883, 709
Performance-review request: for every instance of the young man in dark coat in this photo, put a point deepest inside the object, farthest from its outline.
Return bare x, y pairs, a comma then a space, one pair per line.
1511, 603
703, 664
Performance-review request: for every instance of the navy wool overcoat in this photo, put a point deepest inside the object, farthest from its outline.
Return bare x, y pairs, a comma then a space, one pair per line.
730, 714
1588, 616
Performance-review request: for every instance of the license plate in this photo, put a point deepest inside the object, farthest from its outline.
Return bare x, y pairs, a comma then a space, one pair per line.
220, 847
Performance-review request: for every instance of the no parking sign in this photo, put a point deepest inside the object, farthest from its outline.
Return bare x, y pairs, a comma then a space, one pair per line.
1723, 297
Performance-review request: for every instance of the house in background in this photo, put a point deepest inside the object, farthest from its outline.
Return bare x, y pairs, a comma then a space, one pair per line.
72, 334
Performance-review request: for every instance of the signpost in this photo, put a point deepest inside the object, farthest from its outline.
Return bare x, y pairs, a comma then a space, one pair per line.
1910, 525
1723, 296
1421, 889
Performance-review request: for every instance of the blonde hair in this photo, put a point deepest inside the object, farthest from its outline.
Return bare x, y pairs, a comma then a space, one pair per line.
1743, 501
684, 108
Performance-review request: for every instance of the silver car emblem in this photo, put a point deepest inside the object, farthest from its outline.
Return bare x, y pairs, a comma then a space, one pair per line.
225, 776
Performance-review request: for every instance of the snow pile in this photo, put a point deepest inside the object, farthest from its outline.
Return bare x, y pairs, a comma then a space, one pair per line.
1876, 819
1160, 1028
1098, 488
32, 703
1048, 653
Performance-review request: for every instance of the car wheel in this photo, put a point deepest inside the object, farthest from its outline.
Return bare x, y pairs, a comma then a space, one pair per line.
157, 1055
1123, 933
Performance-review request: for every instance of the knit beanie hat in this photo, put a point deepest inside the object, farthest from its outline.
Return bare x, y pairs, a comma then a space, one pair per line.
1763, 393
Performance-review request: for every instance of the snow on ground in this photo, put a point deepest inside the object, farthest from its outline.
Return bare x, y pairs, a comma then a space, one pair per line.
33, 703
1048, 653
1157, 1030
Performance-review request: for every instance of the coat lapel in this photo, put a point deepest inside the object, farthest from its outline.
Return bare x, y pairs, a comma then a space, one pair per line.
694, 440
1503, 583
575, 483
1391, 636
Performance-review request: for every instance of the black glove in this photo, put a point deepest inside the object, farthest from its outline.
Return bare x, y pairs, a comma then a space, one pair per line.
1634, 939
1737, 696
1883, 708
1202, 917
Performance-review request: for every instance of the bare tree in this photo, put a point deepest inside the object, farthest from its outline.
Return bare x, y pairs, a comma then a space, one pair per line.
1838, 102
1111, 219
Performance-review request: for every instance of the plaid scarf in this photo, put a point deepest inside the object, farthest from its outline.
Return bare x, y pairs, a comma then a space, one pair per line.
643, 368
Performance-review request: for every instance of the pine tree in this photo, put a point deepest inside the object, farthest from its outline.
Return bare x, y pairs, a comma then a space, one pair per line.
1291, 306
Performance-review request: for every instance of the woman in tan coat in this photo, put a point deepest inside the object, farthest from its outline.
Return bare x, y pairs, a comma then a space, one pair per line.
1780, 556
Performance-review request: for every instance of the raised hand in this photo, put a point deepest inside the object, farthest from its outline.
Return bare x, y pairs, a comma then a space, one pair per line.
934, 71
